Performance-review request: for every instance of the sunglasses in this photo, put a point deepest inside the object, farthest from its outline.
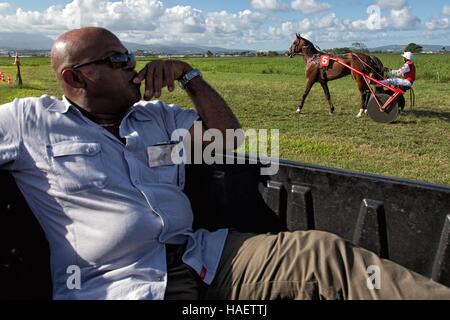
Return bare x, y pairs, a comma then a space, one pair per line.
117, 61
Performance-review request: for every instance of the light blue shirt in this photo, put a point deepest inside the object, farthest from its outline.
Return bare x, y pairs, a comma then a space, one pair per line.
101, 205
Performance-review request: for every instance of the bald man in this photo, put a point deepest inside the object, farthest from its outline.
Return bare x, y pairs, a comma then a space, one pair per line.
96, 169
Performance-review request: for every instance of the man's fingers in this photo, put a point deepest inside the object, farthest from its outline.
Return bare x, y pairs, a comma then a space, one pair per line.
158, 78
148, 94
170, 77
141, 75
157, 75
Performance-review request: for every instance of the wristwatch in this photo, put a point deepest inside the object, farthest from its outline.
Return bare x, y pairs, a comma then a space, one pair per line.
184, 80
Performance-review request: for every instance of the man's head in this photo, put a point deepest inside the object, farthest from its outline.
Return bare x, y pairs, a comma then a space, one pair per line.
82, 60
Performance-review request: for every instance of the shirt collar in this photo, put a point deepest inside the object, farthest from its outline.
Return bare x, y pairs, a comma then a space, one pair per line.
60, 106
139, 112
136, 110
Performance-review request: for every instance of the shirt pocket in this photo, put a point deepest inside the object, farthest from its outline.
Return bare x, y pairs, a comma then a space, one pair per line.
168, 170
169, 174
78, 165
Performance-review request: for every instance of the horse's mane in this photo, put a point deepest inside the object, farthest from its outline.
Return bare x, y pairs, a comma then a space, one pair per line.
315, 49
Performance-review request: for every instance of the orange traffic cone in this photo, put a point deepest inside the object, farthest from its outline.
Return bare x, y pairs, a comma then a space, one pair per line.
9, 79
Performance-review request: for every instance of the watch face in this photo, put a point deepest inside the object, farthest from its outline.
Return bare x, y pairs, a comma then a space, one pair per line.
192, 74
189, 76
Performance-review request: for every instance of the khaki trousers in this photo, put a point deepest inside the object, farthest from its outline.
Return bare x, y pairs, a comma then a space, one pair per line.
301, 265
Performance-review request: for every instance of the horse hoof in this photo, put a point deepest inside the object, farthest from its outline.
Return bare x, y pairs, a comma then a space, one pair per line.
361, 113
298, 110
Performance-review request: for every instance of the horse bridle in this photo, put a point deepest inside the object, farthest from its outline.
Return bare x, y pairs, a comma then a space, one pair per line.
297, 49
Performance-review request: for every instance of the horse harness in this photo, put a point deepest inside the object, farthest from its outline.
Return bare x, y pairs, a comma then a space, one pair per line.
323, 71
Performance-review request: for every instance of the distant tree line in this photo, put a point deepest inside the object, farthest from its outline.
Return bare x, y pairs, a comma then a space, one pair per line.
267, 54
361, 47
356, 47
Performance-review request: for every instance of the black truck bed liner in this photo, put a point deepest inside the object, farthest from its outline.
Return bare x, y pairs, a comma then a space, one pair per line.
405, 221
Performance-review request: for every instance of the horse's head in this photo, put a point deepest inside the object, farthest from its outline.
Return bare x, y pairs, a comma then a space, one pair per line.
298, 45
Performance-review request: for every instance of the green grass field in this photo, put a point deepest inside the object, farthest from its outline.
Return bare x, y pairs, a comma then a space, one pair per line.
264, 92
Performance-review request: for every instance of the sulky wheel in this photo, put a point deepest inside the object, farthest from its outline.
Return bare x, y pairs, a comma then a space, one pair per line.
389, 115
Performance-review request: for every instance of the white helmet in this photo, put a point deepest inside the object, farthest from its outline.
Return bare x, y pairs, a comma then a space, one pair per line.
408, 56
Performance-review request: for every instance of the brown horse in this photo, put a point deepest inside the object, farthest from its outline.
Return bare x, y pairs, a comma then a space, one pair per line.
315, 73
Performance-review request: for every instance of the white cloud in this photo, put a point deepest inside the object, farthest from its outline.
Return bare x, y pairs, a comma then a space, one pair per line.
183, 19
330, 28
223, 22
309, 6
118, 15
403, 18
446, 10
354, 36
234, 29
334, 31
150, 21
143, 21
289, 28
396, 4
440, 23
307, 26
328, 21
375, 20
435, 24
4, 5
268, 5
400, 15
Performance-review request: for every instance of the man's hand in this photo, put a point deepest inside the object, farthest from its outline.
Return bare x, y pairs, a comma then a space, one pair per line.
159, 74
386, 70
211, 107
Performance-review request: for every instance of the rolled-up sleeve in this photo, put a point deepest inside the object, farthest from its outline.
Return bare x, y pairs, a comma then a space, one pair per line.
10, 137
184, 118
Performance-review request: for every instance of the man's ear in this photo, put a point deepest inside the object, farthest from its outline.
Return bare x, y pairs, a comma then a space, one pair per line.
73, 78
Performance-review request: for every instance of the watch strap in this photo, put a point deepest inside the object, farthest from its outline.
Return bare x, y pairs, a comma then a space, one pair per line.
184, 80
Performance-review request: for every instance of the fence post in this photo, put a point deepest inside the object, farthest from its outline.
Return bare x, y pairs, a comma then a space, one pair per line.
19, 82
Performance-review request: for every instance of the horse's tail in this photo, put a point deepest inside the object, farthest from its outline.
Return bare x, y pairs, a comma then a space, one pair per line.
371, 65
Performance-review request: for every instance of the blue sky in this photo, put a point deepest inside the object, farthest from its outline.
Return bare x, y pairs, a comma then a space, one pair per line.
243, 24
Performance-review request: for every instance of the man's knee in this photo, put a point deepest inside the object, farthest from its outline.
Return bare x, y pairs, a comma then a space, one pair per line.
316, 245
321, 238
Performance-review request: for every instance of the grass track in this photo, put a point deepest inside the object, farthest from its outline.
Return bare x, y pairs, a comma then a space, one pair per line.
264, 92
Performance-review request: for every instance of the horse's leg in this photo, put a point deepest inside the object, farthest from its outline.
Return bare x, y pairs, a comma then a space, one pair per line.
309, 85
326, 90
362, 87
